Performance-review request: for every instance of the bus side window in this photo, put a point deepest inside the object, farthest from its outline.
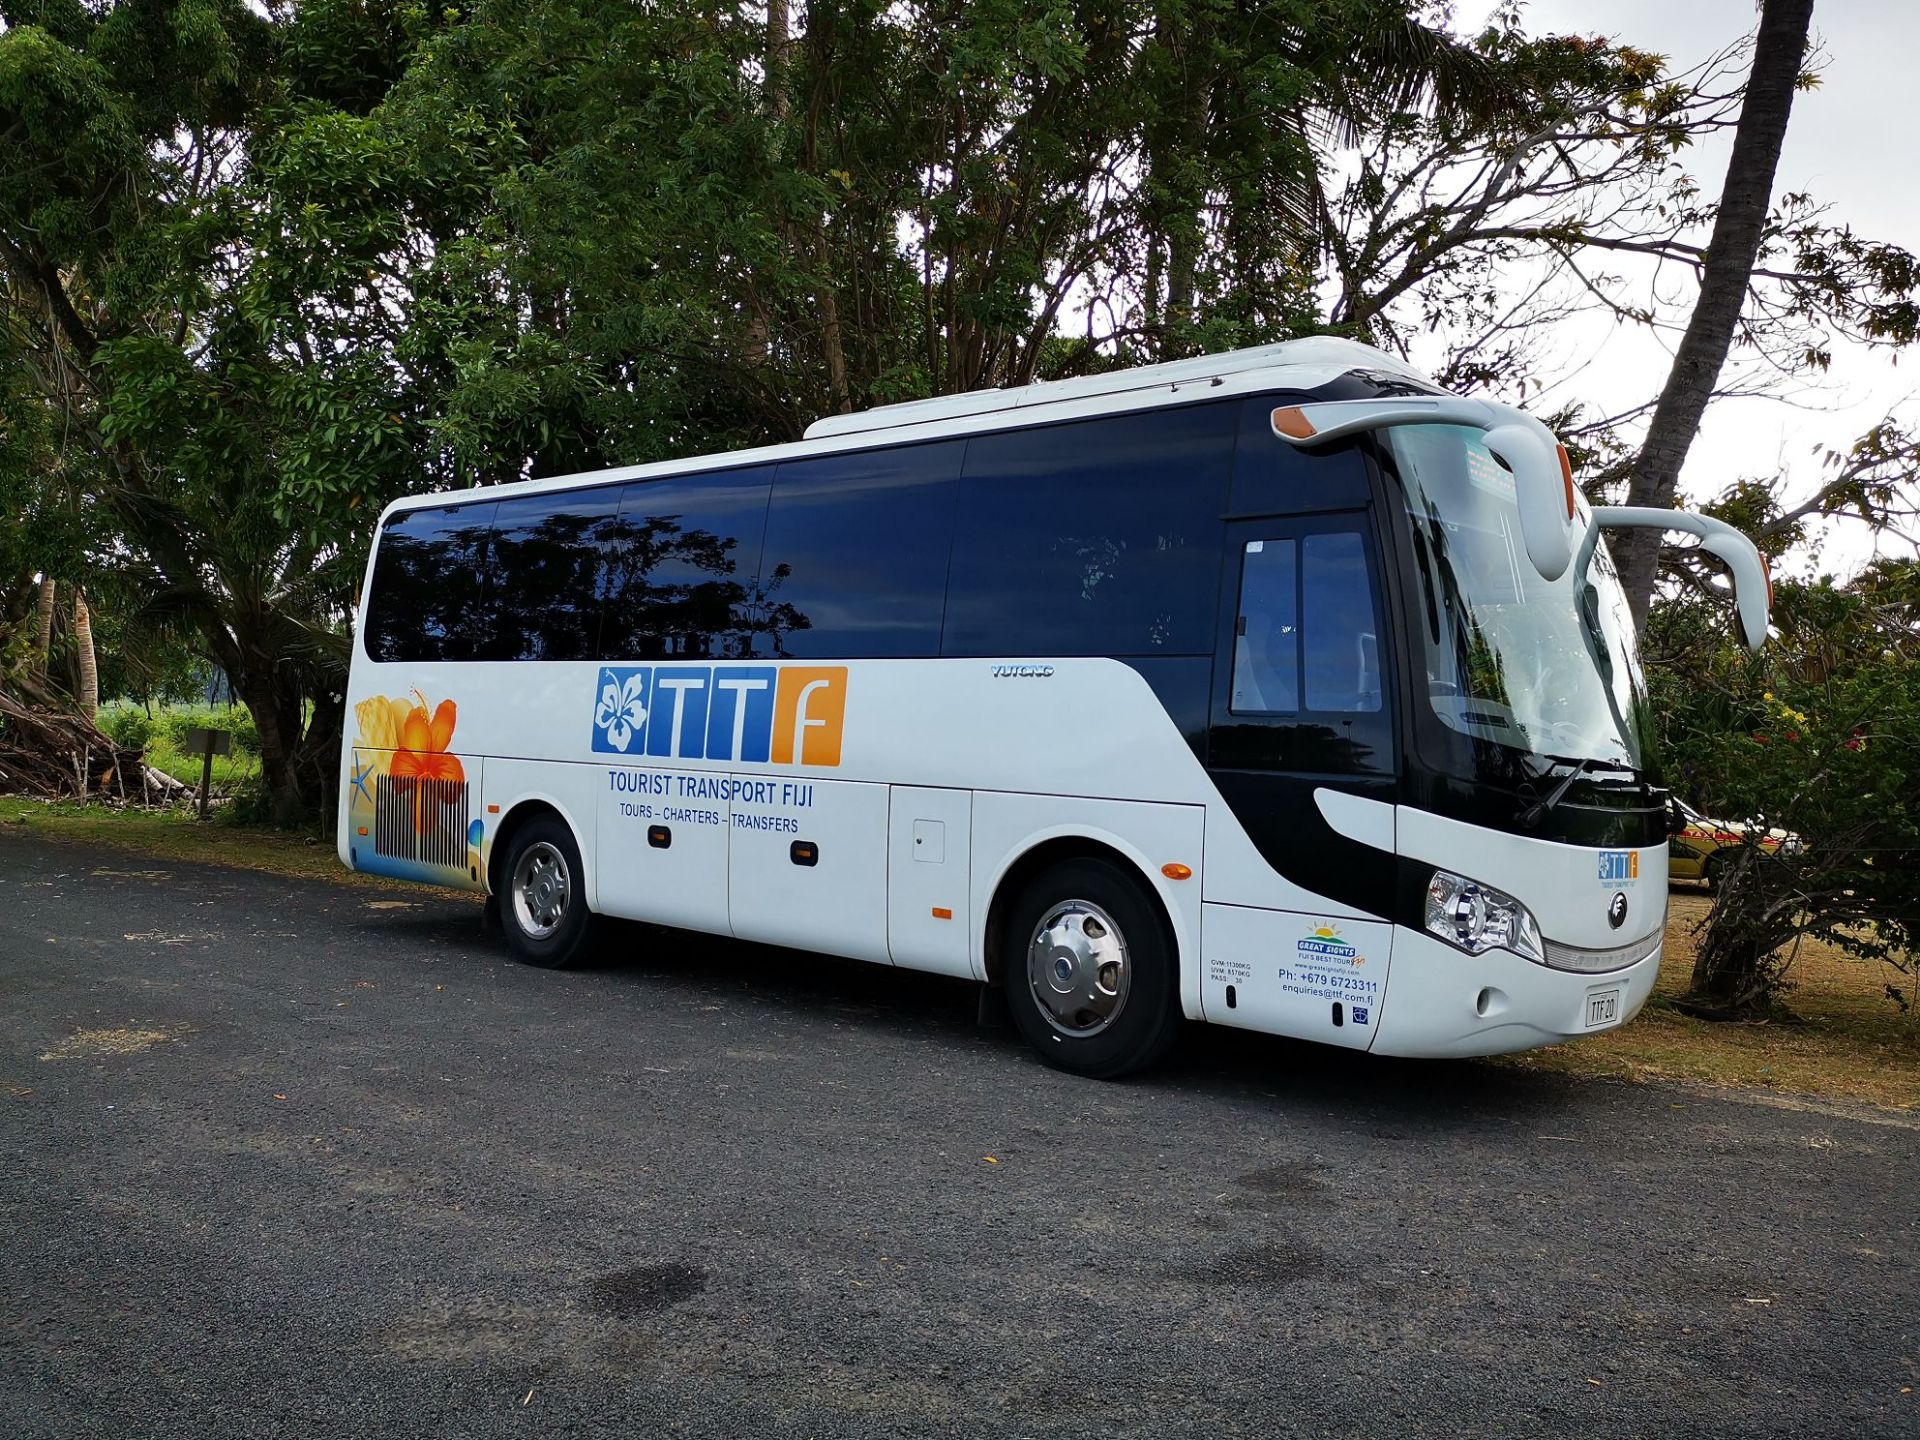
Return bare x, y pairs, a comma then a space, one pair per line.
856, 554
540, 601
680, 566
1099, 537
425, 601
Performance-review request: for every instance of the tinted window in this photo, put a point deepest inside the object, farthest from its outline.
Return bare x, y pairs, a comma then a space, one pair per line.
1096, 538
543, 600
1342, 646
1306, 637
856, 554
1266, 645
681, 565
425, 601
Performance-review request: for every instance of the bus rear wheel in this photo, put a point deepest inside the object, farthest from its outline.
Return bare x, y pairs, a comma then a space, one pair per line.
543, 906
1089, 970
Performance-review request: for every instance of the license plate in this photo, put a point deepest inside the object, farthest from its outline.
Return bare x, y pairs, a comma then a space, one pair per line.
1603, 1008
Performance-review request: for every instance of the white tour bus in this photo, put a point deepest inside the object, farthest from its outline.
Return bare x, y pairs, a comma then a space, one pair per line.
1276, 689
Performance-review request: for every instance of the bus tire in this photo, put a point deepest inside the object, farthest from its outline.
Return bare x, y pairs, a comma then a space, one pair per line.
543, 903
1089, 970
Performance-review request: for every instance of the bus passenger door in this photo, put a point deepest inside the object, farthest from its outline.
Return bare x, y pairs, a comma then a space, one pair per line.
807, 864
1294, 930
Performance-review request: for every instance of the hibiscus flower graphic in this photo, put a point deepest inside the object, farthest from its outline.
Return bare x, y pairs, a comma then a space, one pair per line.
421, 767
622, 709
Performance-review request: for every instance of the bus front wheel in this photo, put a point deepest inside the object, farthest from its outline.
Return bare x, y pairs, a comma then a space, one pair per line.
1089, 970
543, 906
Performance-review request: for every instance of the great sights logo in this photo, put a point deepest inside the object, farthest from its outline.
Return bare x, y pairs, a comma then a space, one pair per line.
764, 714
1324, 941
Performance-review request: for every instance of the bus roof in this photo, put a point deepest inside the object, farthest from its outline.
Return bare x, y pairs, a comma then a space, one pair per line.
1297, 364
1306, 364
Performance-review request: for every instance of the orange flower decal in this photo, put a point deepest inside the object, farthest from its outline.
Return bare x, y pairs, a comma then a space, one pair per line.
421, 755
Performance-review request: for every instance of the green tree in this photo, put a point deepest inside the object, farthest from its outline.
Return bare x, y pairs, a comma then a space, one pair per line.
193, 325
1818, 736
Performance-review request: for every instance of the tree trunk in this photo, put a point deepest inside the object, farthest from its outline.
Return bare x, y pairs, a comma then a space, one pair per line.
43, 627
832, 339
1725, 273
1739, 966
758, 343
778, 39
1177, 182
276, 708
316, 769
89, 694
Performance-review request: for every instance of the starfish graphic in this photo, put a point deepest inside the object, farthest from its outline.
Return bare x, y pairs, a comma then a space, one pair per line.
360, 774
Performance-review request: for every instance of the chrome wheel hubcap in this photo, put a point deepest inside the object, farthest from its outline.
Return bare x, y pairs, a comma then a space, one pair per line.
541, 889
1077, 968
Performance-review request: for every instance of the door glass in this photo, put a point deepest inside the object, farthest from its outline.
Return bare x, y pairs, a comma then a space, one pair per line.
1342, 647
1266, 646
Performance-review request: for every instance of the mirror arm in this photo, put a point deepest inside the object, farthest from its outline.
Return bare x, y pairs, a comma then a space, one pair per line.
1752, 585
1543, 485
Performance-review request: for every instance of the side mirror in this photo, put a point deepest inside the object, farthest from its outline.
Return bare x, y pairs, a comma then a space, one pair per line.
1543, 491
1676, 817
1752, 585
1542, 477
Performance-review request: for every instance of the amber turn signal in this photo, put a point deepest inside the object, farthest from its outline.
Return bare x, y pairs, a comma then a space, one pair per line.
1174, 870
1291, 421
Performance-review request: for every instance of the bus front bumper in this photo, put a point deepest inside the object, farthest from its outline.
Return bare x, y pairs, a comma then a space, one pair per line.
1442, 1003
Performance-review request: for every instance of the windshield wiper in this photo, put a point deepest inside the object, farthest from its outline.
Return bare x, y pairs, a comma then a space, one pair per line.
1533, 814
1592, 762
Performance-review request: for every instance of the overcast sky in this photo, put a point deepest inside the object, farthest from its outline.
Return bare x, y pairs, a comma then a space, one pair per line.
1852, 143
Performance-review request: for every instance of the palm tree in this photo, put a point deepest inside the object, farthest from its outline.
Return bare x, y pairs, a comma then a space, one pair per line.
1737, 230
88, 691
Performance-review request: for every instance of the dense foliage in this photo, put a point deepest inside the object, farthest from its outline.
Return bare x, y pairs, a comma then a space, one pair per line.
1819, 736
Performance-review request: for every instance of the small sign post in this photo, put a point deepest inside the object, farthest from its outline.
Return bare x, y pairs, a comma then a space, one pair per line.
207, 744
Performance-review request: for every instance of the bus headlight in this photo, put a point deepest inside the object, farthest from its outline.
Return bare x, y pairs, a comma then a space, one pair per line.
1478, 917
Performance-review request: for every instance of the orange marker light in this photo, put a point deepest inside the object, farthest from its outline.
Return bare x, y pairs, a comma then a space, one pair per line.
940, 912
493, 809
363, 829
1174, 870
1291, 421
1566, 475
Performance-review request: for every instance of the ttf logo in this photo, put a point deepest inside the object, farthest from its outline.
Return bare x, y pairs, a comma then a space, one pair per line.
757, 714
1619, 865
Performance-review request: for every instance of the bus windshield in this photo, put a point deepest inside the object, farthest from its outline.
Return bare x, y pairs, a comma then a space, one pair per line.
1547, 668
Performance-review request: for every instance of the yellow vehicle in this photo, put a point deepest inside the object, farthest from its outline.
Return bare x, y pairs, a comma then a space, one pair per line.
1703, 847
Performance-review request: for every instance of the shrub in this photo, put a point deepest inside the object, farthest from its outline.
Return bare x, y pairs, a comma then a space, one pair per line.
128, 726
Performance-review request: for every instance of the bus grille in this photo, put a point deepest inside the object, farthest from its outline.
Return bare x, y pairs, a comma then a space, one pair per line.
439, 837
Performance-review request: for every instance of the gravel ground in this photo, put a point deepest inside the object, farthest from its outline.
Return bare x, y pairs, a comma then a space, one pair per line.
282, 1158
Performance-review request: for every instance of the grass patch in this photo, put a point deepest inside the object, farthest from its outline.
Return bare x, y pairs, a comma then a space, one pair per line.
160, 734
1847, 1040
178, 834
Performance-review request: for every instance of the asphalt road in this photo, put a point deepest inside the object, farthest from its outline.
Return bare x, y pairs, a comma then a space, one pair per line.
325, 1163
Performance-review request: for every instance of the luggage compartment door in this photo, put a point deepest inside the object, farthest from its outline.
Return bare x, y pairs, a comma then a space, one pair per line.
808, 864
929, 869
